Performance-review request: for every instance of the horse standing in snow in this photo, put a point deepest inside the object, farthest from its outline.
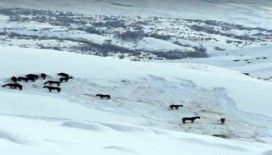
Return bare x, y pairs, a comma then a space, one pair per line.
43, 76
14, 79
13, 86
103, 96
22, 79
192, 119
222, 120
63, 74
32, 77
66, 79
172, 106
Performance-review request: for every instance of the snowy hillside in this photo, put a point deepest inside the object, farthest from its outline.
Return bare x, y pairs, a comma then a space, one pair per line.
190, 29
53, 126
141, 93
251, 12
256, 62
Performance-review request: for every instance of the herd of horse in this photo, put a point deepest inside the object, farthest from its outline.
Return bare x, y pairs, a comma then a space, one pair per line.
50, 85
64, 77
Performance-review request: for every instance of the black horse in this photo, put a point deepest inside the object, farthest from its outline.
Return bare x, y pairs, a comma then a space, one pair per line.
50, 88
32, 76
173, 106
66, 79
13, 86
223, 120
102, 96
23, 79
63, 74
52, 82
14, 79
192, 119
43, 76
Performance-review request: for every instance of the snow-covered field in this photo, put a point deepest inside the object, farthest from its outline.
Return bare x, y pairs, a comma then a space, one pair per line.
136, 120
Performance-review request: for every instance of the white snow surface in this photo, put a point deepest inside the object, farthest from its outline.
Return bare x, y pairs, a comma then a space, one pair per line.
136, 120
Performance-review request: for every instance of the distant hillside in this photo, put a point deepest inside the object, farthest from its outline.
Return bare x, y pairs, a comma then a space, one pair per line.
237, 11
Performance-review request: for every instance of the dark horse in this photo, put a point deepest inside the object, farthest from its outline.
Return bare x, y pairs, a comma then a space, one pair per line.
23, 79
192, 119
63, 74
223, 120
66, 79
43, 76
32, 77
103, 96
52, 82
50, 88
172, 106
14, 79
13, 86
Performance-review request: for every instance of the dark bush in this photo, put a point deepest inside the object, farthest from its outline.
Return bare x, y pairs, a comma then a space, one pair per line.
130, 35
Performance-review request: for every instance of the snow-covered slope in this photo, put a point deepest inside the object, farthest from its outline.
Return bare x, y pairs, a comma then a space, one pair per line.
249, 94
250, 12
145, 90
254, 61
31, 124
137, 30
136, 120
